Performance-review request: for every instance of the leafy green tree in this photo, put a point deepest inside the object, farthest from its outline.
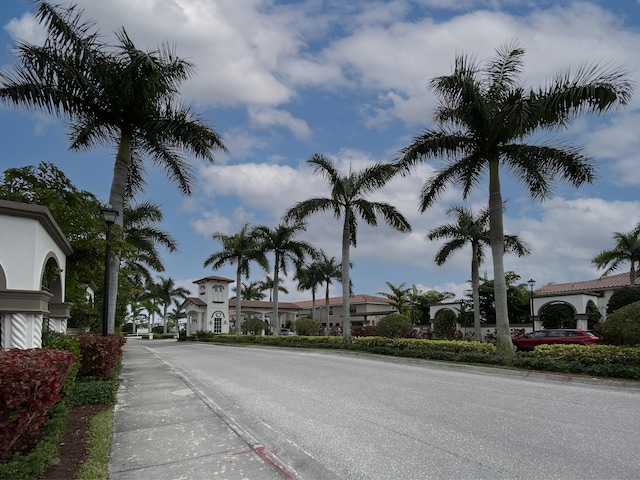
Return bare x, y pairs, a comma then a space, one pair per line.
621, 297
394, 325
626, 250
240, 249
622, 327
175, 315
399, 297
254, 326
472, 230
518, 299
287, 250
348, 200
420, 302
115, 95
558, 315
483, 123
444, 325
307, 326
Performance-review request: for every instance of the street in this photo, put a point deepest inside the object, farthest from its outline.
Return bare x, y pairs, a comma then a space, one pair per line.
379, 418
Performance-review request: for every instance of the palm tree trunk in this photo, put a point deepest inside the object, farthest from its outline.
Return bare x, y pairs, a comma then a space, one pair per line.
475, 289
326, 308
116, 199
165, 307
313, 304
238, 299
496, 229
346, 240
275, 321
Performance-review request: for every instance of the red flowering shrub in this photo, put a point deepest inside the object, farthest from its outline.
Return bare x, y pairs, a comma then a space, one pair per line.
30, 384
99, 354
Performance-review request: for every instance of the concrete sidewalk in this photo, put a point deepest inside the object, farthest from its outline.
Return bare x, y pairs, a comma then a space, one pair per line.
163, 429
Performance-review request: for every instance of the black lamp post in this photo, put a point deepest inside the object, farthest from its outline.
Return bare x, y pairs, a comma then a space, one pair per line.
109, 214
531, 283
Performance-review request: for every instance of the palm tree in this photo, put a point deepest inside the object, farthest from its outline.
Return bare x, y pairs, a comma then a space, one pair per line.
267, 284
310, 277
150, 304
471, 230
483, 122
251, 291
166, 291
176, 315
347, 200
115, 95
399, 297
240, 249
626, 249
287, 249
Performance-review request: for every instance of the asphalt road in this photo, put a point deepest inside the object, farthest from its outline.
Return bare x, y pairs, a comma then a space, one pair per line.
377, 418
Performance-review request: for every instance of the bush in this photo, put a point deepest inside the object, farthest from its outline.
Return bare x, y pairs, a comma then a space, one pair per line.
366, 331
66, 343
100, 354
307, 326
254, 326
622, 297
451, 350
622, 327
394, 325
31, 383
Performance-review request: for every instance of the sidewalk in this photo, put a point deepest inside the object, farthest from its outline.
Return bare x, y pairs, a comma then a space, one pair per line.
163, 430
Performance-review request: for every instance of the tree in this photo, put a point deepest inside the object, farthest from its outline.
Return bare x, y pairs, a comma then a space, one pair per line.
309, 277
347, 200
307, 326
626, 249
399, 297
240, 249
115, 95
468, 229
166, 291
394, 325
518, 299
484, 121
267, 284
621, 297
287, 250
251, 291
420, 302
330, 270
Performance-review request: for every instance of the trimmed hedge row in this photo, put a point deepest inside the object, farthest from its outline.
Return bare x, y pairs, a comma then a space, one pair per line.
274, 340
100, 354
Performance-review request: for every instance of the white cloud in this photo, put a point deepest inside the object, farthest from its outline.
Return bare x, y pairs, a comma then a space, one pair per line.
266, 117
26, 29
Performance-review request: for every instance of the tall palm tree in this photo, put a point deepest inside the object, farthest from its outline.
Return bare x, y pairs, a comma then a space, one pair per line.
115, 95
626, 249
484, 120
166, 291
251, 291
150, 304
468, 229
399, 297
347, 200
240, 249
267, 284
287, 250
310, 277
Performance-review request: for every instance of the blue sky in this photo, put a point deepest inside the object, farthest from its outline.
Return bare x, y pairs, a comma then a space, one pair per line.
283, 80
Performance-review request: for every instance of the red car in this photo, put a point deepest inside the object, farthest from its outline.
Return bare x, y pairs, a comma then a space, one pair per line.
566, 336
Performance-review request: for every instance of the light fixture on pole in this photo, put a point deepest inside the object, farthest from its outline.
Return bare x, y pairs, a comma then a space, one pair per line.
531, 283
109, 214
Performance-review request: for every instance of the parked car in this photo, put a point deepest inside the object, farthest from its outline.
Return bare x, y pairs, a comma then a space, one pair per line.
557, 335
286, 331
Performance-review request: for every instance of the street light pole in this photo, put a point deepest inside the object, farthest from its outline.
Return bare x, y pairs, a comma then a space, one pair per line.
109, 214
531, 283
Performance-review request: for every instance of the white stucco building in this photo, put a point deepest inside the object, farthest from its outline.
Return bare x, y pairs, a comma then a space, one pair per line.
209, 311
33, 259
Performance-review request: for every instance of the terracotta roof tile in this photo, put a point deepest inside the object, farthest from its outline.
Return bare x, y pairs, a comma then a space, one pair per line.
602, 283
336, 301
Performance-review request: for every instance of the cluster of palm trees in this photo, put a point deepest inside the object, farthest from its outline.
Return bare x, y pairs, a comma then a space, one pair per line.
625, 250
121, 96
155, 299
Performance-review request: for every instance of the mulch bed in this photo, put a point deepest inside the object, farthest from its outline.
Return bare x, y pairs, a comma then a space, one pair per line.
73, 452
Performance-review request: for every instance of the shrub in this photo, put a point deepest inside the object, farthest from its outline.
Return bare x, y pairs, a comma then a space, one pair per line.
254, 326
394, 325
66, 343
366, 331
622, 327
204, 335
99, 354
307, 326
31, 384
622, 297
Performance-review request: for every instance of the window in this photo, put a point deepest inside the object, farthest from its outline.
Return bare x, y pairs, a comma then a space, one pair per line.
218, 294
217, 325
330, 310
352, 308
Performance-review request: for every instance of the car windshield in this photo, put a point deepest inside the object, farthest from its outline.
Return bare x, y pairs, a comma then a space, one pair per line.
538, 334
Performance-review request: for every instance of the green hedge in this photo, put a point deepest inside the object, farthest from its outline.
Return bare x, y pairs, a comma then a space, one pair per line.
274, 340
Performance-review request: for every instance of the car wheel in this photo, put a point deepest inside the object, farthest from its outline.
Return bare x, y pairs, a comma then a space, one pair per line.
516, 348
